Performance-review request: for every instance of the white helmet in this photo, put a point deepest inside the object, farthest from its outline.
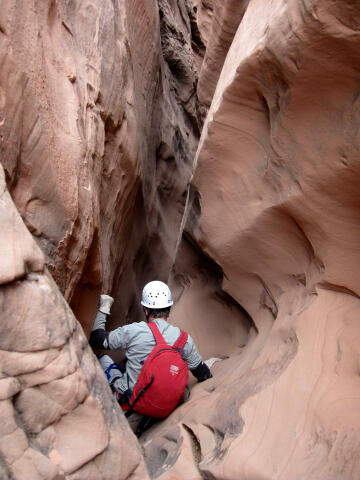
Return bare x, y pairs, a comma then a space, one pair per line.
156, 294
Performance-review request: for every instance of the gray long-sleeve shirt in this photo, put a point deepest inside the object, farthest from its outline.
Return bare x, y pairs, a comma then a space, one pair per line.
138, 341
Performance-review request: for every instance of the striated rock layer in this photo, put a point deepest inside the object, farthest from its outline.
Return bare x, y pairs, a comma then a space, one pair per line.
58, 418
271, 228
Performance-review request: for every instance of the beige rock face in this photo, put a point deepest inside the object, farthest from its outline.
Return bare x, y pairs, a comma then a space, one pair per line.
271, 227
58, 417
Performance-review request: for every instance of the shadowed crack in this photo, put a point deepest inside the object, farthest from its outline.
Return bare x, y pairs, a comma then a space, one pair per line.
337, 288
196, 447
267, 299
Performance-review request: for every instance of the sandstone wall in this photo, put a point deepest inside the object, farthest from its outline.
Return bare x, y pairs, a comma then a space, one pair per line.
99, 122
99, 126
58, 418
271, 227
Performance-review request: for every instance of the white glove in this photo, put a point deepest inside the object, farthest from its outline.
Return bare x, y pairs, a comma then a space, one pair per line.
105, 304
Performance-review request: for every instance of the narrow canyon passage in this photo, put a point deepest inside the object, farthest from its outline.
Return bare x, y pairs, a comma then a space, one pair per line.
210, 144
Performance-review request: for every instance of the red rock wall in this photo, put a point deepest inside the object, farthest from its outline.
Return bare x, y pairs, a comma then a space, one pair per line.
58, 418
100, 122
273, 208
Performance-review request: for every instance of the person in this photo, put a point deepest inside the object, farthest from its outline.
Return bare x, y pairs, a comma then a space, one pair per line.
138, 340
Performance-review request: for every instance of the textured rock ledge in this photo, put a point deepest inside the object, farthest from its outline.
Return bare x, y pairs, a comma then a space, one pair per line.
58, 417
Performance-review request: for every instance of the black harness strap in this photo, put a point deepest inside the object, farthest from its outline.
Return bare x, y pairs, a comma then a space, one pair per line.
129, 412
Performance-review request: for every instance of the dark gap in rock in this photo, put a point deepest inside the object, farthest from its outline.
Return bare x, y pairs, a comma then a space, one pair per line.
195, 33
205, 475
265, 105
196, 447
213, 273
205, 265
86, 294
110, 126
229, 300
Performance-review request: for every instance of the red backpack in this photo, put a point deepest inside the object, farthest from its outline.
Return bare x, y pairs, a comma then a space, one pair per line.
163, 378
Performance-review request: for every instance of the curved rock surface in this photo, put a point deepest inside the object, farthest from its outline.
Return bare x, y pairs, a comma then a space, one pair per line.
58, 418
272, 214
99, 126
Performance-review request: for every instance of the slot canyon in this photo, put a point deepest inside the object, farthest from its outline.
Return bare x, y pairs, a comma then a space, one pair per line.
210, 144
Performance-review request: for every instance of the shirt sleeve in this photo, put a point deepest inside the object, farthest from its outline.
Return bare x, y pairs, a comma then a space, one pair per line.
191, 354
120, 337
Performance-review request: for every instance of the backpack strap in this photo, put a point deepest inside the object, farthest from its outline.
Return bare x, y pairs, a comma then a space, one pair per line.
180, 342
159, 339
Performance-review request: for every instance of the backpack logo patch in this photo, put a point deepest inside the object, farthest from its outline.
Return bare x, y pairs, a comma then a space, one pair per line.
174, 370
